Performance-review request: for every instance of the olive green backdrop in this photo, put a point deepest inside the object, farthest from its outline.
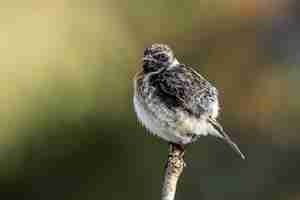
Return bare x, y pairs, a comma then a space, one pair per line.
67, 126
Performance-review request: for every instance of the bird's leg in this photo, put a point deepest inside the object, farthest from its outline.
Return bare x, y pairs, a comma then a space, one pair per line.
177, 148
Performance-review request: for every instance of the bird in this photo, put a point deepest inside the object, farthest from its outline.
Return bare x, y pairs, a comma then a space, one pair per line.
174, 102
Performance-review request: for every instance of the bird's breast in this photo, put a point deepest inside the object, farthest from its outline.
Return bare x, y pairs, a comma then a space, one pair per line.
187, 124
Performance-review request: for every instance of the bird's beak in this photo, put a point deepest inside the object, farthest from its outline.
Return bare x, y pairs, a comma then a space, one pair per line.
148, 58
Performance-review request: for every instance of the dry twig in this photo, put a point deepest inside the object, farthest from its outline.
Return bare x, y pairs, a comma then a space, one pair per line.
173, 170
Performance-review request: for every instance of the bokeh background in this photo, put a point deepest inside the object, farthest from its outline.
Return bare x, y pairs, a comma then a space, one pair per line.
67, 125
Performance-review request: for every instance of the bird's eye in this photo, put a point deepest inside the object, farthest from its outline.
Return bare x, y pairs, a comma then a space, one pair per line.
161, 57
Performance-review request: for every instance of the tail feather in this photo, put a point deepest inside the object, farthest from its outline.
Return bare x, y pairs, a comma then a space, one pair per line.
219, 132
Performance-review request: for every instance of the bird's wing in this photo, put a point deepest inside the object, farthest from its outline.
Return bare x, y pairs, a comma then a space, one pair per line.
188, 88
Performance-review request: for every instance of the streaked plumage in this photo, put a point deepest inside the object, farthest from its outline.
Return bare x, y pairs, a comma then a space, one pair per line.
173, 101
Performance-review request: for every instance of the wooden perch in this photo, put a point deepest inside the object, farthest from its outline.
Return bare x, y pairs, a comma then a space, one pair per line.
173, 170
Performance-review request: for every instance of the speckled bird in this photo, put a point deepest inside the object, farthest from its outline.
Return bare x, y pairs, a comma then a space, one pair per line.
175, 102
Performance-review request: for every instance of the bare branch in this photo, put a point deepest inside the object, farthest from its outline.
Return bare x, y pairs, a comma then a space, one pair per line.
173, 170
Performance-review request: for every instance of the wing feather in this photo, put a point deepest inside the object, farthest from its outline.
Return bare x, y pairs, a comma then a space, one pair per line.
193, 92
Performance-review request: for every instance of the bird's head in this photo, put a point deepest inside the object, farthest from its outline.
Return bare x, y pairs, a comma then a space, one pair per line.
158, 56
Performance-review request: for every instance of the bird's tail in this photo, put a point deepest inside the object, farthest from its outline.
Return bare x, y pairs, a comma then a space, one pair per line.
219, 132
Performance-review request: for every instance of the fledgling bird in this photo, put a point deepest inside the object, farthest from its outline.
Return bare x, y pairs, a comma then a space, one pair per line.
175, 102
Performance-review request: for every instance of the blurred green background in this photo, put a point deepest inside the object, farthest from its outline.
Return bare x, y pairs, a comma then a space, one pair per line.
67, 126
